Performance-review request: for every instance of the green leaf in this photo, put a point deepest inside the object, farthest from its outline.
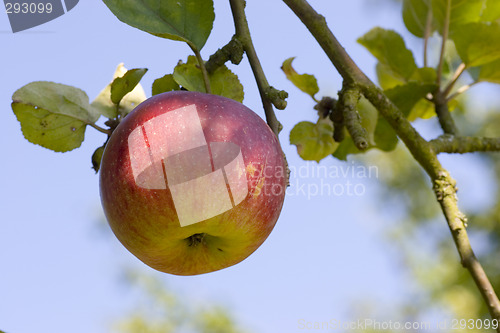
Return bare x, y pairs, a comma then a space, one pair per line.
478, 43
57, 98
415, 14
106, 107
345, 148
390, 49
53, 115
490, 72
96, 158
405, 97
125, 84
491, 11
165, 84
314, 141
422, 109
189, 75
305, 82
223, 82
369, 116
385, 137
382, 136
387, 79
424, 75
190, 21
462, 12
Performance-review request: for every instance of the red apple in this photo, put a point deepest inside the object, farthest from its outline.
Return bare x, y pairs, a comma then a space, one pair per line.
192, 183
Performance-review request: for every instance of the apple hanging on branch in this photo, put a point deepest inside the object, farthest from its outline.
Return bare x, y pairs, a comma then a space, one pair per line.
192, 183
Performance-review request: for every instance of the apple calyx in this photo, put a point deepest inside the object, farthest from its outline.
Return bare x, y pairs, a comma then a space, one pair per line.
196, 239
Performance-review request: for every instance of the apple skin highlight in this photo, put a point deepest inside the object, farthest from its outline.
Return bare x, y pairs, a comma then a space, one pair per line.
140, 207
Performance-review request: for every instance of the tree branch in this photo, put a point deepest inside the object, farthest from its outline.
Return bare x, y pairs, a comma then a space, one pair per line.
460, 69
243, 34
464, 144
422, 151
347, 103
443, 113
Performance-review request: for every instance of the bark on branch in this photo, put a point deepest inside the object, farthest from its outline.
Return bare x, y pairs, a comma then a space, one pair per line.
464, 144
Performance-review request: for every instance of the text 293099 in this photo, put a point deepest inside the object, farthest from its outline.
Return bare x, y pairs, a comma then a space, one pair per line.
28, 8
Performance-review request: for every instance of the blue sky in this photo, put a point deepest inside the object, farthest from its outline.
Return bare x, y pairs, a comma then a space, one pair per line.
61, 273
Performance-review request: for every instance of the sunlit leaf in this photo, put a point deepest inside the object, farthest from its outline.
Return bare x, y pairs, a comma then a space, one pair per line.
424, 75
390, 49
305, 82
223, 82
121, 86
53, 115
462, 12
368, 116
491, 11
422, 109
185, 20
164, 84
387, 79
106, 107
478, 43
490, 72
314, 141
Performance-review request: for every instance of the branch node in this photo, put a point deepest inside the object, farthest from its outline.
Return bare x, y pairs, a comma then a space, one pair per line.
277, 97
232, 51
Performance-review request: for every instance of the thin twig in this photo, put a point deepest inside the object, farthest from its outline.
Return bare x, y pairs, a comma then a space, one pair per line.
201, 63
422, 151
461, 90
460, 69
100, 129
243, 34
